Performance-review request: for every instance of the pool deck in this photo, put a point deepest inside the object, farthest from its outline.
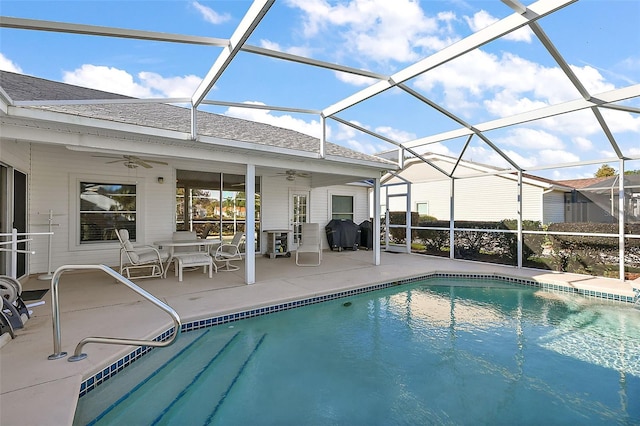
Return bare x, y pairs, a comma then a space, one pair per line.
37, 391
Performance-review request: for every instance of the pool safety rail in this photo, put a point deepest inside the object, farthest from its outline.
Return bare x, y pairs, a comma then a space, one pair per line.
78, 355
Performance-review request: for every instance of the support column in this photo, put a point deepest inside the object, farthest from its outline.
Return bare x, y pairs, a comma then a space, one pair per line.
250, 224
520, 235
621, 219
376, 221
452, 243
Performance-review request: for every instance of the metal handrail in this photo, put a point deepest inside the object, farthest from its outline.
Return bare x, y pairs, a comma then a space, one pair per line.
78, 355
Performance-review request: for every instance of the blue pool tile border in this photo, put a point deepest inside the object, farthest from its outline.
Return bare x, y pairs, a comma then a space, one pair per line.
106, 373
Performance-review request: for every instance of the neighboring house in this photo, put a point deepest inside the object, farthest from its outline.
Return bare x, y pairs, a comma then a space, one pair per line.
98, 161
480, 193
597, 199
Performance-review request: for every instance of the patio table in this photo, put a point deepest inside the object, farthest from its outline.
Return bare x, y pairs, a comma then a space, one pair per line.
171, 245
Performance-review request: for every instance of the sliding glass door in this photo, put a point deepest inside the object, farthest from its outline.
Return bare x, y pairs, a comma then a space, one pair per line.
213, 204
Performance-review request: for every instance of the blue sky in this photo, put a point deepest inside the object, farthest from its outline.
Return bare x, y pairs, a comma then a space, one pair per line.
599, 39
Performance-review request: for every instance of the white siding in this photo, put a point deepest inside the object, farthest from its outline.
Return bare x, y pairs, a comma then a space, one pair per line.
15, 154
553, 207
55, 176
486, 198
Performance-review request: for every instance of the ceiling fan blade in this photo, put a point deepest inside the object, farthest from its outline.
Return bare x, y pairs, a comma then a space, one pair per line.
143, 164
157, 162
116, 161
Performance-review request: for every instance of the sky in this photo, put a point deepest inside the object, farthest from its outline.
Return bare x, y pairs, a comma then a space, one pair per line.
599, 39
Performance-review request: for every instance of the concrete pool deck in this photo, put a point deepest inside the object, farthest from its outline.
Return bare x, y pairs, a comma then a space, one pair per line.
38, 391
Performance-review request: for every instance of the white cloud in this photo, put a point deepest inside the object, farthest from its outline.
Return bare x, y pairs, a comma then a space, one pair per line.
556, 156
211, 15
354, 139
583, 144
293, 50
377, 29
527, 138
311, 128
396, 135
7, 64
364, 147
172, 87
355, 80
483, 155
108, 79
483, 19
115, 80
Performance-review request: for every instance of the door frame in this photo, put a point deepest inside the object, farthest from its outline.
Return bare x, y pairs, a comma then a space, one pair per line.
295, 234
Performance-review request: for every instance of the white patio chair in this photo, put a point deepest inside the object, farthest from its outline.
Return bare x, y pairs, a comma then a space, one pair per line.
311, 243
139, 258
228, 252
185, 236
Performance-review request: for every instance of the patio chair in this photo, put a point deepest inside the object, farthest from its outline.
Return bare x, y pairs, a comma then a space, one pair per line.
139, 258
184, 236
228, 252
206, 230
311, 243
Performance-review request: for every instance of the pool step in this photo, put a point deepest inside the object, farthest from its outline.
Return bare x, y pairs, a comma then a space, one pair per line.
200, 401
183, 374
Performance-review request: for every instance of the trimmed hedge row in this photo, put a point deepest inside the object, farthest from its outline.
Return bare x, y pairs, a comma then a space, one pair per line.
582, 254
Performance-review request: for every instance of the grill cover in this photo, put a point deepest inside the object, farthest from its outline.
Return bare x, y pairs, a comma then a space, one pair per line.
342, 234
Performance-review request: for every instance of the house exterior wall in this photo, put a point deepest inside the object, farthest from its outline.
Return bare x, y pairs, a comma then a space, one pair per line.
54, 182
54, 173
15, 154
485, 198
554, 207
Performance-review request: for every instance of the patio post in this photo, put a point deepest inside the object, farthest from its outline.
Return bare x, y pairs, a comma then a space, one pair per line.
621, 219
520, 235
452, 252
250, 225
376, 221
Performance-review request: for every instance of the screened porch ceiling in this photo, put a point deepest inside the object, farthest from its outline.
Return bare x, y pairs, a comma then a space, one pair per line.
514, 91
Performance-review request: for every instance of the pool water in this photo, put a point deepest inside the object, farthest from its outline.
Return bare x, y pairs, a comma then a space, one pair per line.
443, 351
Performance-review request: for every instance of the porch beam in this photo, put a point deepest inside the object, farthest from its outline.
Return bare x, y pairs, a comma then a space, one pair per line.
70, 28
96, 30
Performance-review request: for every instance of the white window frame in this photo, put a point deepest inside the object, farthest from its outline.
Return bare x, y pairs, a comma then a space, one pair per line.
340, 194
74, 209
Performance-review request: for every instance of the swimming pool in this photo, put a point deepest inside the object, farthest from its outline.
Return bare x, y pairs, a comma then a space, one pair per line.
442, 351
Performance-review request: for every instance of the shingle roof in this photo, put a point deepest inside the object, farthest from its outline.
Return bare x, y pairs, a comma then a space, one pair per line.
21, 87
582, 183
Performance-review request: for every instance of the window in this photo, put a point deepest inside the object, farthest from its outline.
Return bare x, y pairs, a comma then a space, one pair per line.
423, 209
342, 207
105, 207
214, 203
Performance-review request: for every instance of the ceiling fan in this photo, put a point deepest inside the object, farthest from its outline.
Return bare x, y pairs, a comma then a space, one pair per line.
131, 161
291, 175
